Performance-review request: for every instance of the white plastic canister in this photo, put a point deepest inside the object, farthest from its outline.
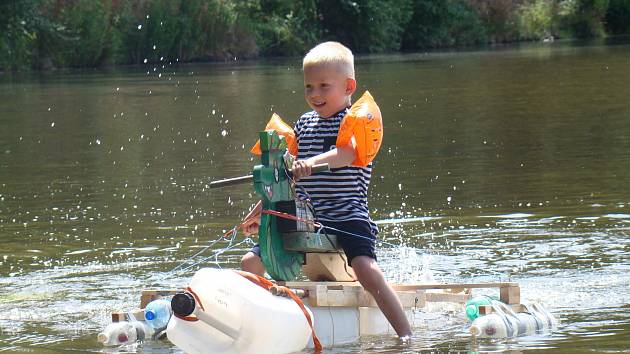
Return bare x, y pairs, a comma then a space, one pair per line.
238, 316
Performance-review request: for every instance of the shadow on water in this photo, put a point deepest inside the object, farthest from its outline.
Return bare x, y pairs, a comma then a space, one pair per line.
509, 164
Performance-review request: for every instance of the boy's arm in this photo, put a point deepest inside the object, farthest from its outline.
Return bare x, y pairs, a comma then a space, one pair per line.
335, 158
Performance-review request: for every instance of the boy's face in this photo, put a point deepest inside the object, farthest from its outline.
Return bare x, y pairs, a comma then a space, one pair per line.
326, 89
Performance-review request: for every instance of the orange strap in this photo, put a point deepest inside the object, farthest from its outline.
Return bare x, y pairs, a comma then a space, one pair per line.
290, 217
266, 284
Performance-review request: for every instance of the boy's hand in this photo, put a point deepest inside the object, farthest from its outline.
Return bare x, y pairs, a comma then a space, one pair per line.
301, 168
251, 221
251, 225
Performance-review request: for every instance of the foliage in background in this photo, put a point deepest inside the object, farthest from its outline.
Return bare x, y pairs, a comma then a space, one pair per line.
583, 18
538, 19
618, 17
442, 23
89, 33
281, 28
366, 26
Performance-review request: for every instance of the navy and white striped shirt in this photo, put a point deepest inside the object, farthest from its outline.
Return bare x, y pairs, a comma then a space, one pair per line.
340, 194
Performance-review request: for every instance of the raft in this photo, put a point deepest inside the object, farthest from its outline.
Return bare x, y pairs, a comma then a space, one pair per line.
342, 311
229, 312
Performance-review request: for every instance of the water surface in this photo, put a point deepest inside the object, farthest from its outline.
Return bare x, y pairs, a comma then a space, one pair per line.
507, 164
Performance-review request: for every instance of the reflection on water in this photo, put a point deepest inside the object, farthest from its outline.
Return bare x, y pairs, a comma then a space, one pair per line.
510, 164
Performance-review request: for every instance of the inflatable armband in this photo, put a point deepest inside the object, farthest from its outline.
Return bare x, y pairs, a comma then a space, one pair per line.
365, 123
276, 123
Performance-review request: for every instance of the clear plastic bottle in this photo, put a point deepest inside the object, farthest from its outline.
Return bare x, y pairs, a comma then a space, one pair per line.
124, 332
158, 313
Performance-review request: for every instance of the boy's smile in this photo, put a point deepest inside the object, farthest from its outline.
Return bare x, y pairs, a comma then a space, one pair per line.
326, 89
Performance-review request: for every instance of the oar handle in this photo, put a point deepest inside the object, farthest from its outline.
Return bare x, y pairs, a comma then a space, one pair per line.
322, 167
245, 179
231, 181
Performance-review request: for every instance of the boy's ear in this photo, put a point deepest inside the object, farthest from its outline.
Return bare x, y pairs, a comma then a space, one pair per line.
351, 86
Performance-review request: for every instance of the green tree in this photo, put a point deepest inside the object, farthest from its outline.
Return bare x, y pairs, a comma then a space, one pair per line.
91, 39
281, 27
365, 25
442, 23
618, 17
583, 18
27, 34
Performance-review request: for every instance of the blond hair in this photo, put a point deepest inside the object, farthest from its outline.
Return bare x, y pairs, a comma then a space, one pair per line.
331, 53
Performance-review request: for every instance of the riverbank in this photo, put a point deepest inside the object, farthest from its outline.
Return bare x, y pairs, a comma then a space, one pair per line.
42, 35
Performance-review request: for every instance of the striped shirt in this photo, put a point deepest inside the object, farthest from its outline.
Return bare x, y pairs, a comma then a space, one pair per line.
340, 194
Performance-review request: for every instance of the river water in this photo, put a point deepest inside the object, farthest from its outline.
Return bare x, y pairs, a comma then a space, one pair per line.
504, 164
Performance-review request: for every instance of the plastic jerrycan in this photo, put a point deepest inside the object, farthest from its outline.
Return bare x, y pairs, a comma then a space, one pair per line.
224, 313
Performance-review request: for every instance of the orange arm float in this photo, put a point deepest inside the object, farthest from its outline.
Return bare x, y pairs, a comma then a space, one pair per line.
276, 123
365, 123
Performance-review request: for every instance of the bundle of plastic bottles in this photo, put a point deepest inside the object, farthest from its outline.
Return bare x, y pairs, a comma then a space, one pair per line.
156, 316
504, 322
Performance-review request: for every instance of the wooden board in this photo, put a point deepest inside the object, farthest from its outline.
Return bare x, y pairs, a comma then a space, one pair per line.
119, 316
458, 292
149, 295
487, 309
327, 267
459, 298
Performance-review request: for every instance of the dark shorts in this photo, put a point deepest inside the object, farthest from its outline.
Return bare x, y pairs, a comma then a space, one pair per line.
357, 238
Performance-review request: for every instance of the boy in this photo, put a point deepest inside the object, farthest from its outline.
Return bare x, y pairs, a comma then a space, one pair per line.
339, 197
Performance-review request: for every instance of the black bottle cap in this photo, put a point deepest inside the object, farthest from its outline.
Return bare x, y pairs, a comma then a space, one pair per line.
183, 304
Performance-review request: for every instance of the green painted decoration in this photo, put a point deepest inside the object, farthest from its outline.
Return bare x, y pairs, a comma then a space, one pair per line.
273, 185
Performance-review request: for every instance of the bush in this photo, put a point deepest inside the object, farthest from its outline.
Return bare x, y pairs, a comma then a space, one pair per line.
618, 17
582, 18
26, 34
89, 39
499, 18
442, 23
365, 25
281, 27
537, 19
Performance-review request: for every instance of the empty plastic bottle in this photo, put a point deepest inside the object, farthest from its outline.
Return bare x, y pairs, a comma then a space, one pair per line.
158, 313
505, 323
493, 326
472, 305
124, 332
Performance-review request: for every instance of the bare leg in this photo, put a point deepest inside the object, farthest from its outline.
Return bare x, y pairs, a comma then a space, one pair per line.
372, 279
253, 264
